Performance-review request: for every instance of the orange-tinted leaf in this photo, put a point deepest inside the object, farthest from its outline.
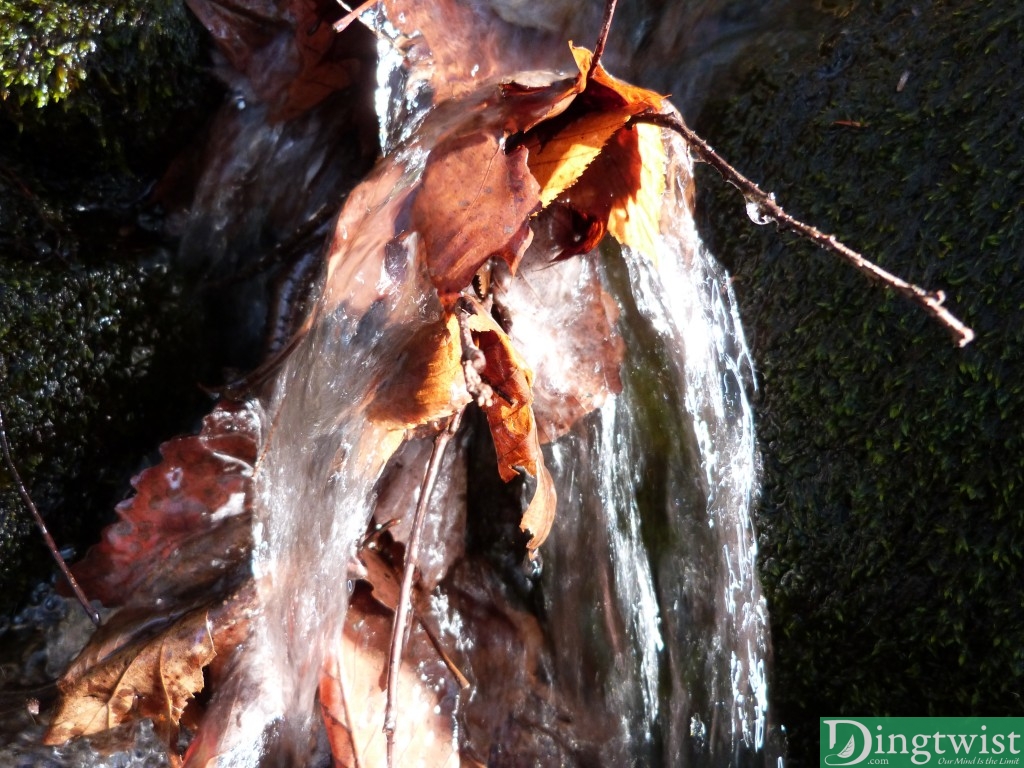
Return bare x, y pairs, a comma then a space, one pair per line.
427, 382
558, 162
587, 156
474, 202
152, 678
635, 218
512, 423
624, 186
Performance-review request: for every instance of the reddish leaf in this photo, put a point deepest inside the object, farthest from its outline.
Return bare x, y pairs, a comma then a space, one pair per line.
188, 523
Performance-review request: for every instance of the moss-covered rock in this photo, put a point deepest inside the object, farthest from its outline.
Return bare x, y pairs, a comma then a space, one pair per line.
88, 86
93, 379
892, 520
96, 335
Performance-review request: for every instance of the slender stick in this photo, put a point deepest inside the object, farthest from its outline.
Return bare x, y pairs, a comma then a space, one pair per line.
602, 37
762, 207
50, 543
352, 15
401, 626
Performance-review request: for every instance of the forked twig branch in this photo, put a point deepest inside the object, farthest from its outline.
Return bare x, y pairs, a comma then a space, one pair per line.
762, 207
50, 543
401, 625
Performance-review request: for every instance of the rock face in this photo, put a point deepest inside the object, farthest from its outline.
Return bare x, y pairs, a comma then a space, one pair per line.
892, 530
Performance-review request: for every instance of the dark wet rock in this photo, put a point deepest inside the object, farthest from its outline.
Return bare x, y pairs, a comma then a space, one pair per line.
97, 370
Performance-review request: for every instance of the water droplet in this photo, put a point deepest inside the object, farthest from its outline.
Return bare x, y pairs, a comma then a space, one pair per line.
756, 213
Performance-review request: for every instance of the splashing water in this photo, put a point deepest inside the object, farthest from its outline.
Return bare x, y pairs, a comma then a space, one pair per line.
655, 496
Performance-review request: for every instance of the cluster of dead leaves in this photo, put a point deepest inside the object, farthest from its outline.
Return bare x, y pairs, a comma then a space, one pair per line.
561, 162
542, 178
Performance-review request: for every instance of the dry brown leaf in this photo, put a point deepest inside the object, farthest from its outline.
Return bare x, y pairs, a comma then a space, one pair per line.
152, 678
474, 202
444, 526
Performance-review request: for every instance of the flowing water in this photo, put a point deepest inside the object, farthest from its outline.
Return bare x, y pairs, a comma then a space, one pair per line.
651, 606
657, 492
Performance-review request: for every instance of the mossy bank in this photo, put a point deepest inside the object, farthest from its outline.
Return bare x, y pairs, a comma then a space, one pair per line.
95, 334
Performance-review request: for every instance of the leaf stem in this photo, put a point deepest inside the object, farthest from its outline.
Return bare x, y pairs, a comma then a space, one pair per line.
50, 543
763, 207
401, 627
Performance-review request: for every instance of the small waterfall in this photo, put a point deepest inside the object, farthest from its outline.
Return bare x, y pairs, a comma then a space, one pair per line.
710, 596
655, 638
666, 616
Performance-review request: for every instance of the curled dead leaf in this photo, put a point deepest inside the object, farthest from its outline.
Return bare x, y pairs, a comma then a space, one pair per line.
512, 423
152, 678
586, 155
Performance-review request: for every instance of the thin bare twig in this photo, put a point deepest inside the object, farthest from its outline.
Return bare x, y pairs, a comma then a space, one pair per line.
602, 37
762, 207
50, 543
401, 626
341, 24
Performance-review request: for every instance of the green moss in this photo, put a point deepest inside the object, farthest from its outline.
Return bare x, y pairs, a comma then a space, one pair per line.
94, 84
97, 98
893, 516
91, 359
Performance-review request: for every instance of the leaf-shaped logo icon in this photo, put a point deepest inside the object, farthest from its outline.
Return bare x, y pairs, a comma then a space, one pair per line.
848, 749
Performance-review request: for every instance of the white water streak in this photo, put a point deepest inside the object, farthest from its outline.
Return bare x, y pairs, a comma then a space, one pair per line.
634, 581
691, 304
